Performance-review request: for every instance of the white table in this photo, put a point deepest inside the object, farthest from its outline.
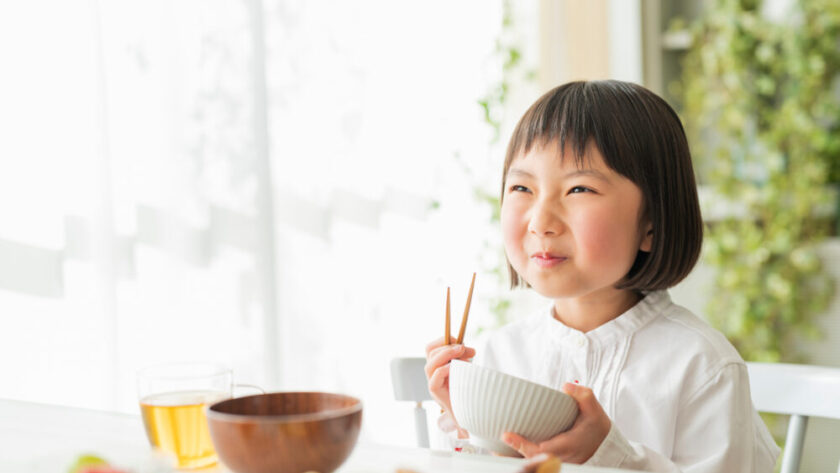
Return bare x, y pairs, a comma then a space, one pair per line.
43, 438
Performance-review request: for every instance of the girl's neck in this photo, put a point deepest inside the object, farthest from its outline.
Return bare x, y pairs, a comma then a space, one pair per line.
593, 310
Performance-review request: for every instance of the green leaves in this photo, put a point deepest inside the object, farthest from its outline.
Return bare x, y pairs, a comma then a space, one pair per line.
508, 58
492, 104
763, 116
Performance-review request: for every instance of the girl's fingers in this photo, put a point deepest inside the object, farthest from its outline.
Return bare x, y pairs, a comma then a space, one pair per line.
439, 378
584, 397
437, 365
433, 344
435, 347
577, 444
522, 445
439, 387
443, 355
438, 343
592, 425
469, 353
559, 445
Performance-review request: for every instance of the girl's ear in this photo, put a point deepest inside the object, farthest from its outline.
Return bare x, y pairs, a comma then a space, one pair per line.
647, 239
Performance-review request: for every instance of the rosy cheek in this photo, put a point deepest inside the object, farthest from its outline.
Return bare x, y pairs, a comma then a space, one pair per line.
606, 238
602, 237
512, 229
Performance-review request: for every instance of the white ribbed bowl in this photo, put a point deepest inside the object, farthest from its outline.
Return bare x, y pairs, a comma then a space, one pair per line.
488, 403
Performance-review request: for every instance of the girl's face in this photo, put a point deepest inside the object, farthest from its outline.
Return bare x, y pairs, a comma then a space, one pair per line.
571, 232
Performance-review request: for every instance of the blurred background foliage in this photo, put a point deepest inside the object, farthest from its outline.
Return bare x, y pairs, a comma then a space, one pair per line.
508, 56
761, 104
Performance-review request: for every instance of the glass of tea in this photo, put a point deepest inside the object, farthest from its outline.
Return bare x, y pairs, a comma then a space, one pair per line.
173, 398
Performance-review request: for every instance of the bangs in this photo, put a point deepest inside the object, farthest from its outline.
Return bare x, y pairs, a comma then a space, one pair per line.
603, 112
558, 118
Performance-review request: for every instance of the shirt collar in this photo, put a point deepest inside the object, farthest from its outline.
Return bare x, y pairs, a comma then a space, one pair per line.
647, 309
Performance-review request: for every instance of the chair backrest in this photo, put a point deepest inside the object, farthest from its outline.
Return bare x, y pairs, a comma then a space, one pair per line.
409, 379
801, 391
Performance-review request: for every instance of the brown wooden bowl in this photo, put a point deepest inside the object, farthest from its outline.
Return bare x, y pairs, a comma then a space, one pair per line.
285, 432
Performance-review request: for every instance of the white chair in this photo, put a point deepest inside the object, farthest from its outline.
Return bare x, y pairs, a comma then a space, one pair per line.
409, 379
801, 391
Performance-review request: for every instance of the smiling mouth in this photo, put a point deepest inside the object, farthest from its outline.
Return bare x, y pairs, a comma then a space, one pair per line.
547, 260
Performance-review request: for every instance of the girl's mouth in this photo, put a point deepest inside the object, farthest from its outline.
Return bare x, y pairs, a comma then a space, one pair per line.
547, 260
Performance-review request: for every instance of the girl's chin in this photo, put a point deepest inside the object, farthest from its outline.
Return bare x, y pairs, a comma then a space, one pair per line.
548, 290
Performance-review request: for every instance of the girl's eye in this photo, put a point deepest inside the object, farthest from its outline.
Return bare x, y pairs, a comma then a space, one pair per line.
579, 189
518, 188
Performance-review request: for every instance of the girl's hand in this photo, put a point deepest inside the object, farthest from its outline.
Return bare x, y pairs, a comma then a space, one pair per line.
438, 357
577, 444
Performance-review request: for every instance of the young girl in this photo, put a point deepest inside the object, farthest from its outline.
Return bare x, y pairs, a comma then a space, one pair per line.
600, 214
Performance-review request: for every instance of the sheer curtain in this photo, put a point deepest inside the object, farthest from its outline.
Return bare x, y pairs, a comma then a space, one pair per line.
276, 185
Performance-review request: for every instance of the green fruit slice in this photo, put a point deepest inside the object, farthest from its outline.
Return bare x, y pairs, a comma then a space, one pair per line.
86, 460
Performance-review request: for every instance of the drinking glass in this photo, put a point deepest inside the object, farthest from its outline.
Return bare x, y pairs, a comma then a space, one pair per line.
173, 399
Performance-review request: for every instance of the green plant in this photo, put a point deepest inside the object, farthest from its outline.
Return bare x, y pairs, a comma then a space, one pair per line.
762, 110
508, 55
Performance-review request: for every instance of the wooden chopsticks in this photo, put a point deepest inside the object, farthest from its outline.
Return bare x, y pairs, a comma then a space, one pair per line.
447, 337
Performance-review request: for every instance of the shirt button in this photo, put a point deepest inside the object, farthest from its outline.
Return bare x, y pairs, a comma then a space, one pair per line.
581, 341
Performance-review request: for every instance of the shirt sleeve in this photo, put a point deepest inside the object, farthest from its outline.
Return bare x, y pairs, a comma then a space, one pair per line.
617, 452
717, 430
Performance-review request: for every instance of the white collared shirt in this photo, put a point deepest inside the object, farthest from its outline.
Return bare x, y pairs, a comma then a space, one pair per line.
676, 390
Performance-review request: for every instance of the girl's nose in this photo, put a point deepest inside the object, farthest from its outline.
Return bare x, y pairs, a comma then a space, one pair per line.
544, 220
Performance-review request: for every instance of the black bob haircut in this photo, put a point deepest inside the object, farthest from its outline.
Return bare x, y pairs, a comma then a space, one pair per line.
641, 138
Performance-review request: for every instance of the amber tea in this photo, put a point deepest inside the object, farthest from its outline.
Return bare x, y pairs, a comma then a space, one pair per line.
175, 422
